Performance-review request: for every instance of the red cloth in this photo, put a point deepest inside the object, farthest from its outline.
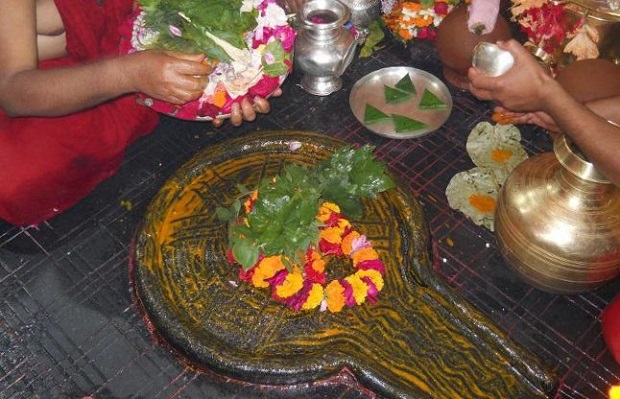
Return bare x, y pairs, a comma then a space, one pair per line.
48, 164
611, 327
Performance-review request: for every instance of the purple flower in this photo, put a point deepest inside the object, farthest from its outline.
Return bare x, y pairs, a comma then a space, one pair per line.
269, 58
174, 31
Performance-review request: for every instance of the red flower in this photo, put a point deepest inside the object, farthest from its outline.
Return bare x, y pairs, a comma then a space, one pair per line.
441, 8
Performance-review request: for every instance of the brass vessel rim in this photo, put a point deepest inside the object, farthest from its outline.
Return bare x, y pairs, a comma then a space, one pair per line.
574, 162
593, 9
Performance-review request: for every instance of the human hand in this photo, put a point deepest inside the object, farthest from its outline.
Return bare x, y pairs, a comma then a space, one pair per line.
541, 119
523, 88
169, 76
247, 110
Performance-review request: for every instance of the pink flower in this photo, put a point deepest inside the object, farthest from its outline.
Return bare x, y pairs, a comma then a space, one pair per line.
286, 36
174, 31
349, 299
373, 292
374, 264
359, 243
269, 58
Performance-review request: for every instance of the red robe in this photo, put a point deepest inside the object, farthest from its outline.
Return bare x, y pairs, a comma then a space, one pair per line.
48, 164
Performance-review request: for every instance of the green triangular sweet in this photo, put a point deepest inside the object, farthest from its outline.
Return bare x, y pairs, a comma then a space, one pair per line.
430, 101
406, 84
403, 124
393, 96
374, 115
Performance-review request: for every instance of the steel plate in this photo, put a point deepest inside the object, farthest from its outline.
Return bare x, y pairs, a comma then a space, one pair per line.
369, 90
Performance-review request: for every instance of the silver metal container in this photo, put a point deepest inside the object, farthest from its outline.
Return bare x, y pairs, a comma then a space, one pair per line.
324, 47
490, 60
363, 12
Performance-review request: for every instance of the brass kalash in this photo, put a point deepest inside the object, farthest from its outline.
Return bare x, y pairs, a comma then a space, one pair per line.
558, 219
558, 222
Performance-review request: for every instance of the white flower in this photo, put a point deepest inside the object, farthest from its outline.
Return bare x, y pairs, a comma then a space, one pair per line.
583, 45
247, 6
274, 17
387, 6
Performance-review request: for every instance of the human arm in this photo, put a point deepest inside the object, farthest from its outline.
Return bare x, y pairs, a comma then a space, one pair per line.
528, 88
26, 90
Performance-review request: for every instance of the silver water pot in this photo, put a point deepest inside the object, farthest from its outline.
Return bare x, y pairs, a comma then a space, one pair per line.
324, 47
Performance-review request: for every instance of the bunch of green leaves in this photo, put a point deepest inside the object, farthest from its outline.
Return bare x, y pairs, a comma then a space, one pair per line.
193, 18
374, 38
283, 219
277, 65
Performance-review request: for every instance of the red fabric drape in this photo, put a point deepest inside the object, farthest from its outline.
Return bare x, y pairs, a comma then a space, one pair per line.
48, 164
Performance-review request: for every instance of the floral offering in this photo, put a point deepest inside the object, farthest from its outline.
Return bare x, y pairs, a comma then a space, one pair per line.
287, 232
410, 19
249, 43
306, 287
548, 27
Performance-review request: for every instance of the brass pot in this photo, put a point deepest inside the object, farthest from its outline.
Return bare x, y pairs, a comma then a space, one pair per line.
558, 222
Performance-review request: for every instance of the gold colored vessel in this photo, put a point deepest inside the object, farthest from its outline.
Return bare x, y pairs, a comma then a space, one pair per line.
558, 222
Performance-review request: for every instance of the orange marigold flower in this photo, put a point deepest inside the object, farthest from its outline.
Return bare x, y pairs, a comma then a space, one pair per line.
247, 205
317, 262
347, 242
360, 289
374, 276
334, 295
364, 254
326, 209
412, 6
343, 224
219, 97
293, 282
422, 21
266, 269
405, 34
332, 235
315, 297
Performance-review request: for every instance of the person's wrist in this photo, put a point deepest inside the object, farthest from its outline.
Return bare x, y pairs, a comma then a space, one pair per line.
127, 73
551, 94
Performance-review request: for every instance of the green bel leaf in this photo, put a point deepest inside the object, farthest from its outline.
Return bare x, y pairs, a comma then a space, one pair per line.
245, 253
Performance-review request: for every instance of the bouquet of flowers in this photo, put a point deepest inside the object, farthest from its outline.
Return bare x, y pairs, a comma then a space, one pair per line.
549, 29
248, 42
410, 19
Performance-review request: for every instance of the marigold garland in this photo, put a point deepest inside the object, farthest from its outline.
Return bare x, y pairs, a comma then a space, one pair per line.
306, 287
410, 19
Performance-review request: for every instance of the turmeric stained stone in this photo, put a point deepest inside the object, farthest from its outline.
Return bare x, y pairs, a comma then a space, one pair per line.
186, 289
